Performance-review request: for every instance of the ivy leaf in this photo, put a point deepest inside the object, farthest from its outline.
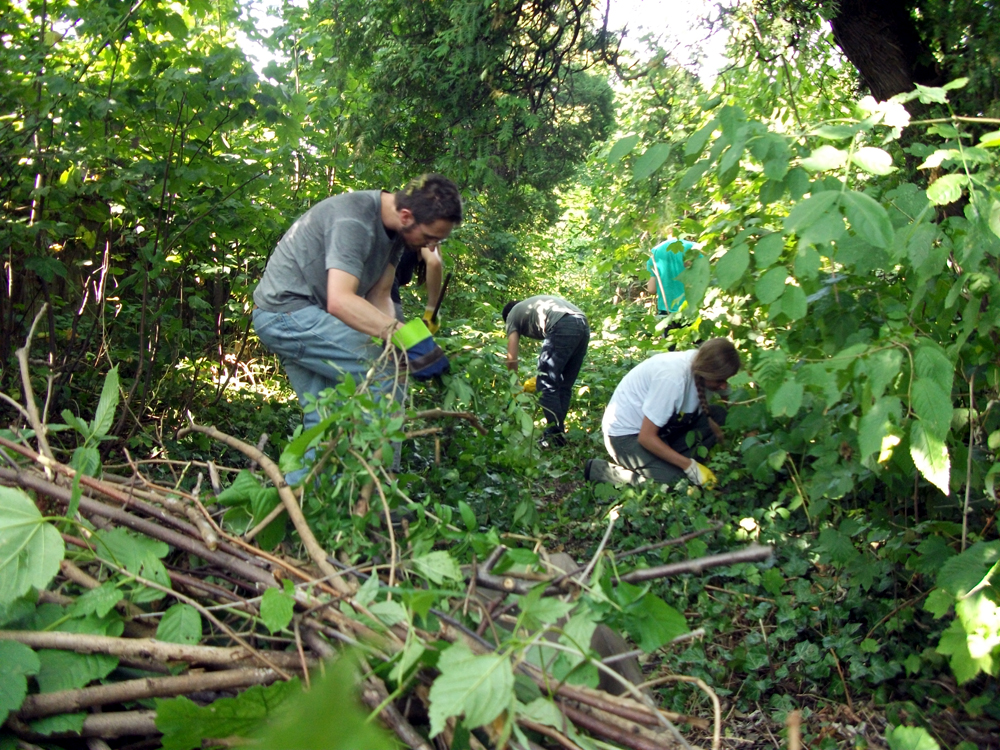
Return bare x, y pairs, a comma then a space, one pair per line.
650, 161
480, 687
65, 670
771, 285
16, 662
824, 158
730, 267
438, 566
930, 456
910, 738
947, 189
622, 147
873, 160
182, 624
276, 609
787, 400
30, 548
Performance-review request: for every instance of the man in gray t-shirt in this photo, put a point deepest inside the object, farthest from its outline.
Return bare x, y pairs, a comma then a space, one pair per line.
325, 293
563, 329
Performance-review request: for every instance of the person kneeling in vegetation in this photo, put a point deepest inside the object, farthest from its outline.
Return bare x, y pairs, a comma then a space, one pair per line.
655, 408
563, 329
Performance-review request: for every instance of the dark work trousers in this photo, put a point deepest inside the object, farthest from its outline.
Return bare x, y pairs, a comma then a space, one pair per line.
559, 363
633, 464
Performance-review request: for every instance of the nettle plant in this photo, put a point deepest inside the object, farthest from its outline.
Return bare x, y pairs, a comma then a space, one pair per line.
869, 304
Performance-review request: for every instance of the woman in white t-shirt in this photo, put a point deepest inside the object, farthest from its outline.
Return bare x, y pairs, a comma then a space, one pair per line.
653, 410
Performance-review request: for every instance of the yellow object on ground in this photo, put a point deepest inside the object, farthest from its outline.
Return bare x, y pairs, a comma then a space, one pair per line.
529, 385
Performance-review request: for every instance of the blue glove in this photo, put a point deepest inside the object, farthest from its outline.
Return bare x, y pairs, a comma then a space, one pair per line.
424, 358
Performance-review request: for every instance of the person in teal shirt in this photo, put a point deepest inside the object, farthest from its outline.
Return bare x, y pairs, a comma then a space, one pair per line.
666, 263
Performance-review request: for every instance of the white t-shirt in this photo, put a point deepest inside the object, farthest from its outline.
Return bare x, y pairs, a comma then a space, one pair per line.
657, 389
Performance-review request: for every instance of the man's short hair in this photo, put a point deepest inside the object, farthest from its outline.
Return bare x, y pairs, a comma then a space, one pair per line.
508, 307
431, 197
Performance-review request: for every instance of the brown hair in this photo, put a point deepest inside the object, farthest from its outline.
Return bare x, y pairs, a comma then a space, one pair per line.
717, 359
431, 197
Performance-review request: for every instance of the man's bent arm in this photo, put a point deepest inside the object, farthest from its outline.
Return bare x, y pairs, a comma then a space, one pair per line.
513, 344
343, 302
380, 295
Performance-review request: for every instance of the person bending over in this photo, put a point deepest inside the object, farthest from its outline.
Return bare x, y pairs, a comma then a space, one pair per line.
564, 332
653, 410
325, 292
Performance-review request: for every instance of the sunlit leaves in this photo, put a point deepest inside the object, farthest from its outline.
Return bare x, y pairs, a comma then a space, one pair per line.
873, 160
825, 158
650, 161
730, 267
930, 455
622, 148
807, 212
771, 285
947, 189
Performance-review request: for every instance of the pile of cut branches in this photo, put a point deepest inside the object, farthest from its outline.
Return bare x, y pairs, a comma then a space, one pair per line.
133, 613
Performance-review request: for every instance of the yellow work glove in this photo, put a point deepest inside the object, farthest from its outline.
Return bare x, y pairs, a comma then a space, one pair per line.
529, 385
701, 475
433, 324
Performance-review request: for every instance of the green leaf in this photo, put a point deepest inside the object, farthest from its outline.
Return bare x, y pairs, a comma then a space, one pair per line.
652, 622
98, 601
836, 546
182, 624
792, 303
691, 177
787, 401
650, 161
994, 218
873, 160
696, 280
836, 132
16, 662
622, 147
240, 491
771, 285
806, 213
390, 613
438, 566
65, 670
129, 550
768, 249
105, 413
86, 460
964, 572
62, 723
930, 455
868, 218
932, 363
883, 368
877, 423
954, 644
824, 158
480, 687
947, 189
910, 738
933, 406
468, 516
185, 724
276, 609
30, 548
696, 143
730, 267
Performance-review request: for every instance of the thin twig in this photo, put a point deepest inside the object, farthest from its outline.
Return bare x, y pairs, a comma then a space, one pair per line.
716, 706
612, 517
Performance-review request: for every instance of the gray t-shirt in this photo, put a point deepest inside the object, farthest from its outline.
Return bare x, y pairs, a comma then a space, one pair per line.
535, 316
343, 232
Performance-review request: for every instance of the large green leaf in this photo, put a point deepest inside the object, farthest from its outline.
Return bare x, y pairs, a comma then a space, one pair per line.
696, 279
650, 161
66, 670
873, 160
788, 399
730, 267
932, 363
771, 285
16, 662
652, 622
947, 189
438, 566
768, 249
962, 573
825, 157
792, 303
810, 210
185, 724
622, 147
276, 609
30, 548
933, 406
105, 413
882, 368
875, 425
868, 218
930, 456
480, 687
181, 624
910, 738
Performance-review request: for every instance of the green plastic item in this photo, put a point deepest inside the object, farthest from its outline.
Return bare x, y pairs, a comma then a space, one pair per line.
412, 333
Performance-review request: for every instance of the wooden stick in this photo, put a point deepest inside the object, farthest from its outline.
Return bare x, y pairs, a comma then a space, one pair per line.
667, 543
316, 552
753, 553
441, 414
108, 725
69, 701
147, 648
30, 408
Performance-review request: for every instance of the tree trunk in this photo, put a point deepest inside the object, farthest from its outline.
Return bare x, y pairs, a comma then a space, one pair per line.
881, 40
